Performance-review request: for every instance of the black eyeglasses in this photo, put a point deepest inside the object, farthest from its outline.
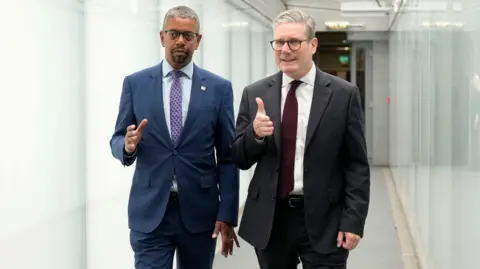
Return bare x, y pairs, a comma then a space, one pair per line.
293, 44
187, 35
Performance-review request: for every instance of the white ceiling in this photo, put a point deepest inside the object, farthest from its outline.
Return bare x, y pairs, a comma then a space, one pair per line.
363, 15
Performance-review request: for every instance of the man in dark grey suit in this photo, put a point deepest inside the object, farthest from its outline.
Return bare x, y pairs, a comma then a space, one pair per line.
309, 196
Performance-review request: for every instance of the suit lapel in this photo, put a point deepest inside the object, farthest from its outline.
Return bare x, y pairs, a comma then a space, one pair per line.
273, 106
196, 102
157, 107
321, 98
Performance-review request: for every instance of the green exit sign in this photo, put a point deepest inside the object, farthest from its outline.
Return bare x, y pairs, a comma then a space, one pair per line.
344, 59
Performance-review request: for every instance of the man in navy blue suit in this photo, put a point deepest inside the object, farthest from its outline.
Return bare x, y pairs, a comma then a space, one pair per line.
185, 186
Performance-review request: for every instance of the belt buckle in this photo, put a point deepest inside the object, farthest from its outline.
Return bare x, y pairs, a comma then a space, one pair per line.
290, 199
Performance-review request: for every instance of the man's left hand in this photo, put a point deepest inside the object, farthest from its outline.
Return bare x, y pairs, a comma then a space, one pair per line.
228, 237
347, 240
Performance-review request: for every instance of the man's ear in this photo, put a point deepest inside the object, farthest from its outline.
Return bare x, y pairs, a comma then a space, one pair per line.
199, 38
162, 38
314, 45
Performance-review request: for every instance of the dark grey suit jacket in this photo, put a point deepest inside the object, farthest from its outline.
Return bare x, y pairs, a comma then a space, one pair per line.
336, 170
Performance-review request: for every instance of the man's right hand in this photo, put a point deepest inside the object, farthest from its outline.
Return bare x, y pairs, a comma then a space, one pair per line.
262, 125
133, 136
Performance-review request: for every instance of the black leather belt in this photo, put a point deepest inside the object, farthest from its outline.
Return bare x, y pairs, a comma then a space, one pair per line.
293, 201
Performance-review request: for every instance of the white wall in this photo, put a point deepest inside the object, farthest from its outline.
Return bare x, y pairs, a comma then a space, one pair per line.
120, 38
63, 197
42, 167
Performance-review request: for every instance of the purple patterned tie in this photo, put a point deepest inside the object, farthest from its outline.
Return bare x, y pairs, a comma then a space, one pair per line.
176, 106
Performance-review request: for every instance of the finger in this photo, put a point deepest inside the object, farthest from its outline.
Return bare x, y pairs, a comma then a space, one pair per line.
346, 246
142, 125
262, 118
263, 123
130, 133
261, 107
133, 139
131, 145
265, 131
340, 239
224, 249
228, 248
348, 243
131, 128
355, 242
236, 240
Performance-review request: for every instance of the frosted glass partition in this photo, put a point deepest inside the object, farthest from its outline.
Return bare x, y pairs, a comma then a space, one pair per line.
434, 127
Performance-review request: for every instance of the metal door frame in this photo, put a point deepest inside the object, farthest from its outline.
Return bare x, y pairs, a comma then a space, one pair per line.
367, 46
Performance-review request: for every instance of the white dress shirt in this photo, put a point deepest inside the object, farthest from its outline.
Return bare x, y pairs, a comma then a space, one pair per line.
304, 94
186, 84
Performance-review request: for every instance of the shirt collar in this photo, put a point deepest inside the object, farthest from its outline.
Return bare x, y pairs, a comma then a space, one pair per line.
187, 70
309, 78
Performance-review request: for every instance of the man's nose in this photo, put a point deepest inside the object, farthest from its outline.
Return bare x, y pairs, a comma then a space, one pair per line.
285, 47
180, 39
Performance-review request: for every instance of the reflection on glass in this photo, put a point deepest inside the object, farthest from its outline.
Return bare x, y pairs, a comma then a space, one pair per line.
474, 126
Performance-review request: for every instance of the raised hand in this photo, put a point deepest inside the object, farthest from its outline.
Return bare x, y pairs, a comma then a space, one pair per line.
133, 136
262, 125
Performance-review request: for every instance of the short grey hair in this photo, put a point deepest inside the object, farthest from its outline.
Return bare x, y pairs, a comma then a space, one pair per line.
183, 12
297, 16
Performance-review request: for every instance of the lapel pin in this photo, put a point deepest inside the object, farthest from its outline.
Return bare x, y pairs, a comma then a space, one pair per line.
203, 88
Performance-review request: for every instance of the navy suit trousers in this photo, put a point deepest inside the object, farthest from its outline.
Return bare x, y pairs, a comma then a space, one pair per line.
156, 250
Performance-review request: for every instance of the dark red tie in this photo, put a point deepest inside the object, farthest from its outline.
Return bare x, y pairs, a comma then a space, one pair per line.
289, 139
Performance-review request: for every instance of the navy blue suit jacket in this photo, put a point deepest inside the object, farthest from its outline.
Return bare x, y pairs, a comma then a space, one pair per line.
207, 179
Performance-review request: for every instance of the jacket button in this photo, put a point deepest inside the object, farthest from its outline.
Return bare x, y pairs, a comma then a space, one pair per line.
174, 152
273, 198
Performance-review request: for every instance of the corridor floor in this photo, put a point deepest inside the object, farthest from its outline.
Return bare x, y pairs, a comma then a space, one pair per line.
379, 249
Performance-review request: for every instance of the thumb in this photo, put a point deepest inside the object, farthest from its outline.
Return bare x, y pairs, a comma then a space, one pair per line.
215, 231
261, 107
340, 239
142, 125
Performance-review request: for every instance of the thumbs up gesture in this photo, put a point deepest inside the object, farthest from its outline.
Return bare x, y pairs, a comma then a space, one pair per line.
133, 136
262, 125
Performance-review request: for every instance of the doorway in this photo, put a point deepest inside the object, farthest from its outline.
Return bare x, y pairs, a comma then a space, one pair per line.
351, 61
334, 56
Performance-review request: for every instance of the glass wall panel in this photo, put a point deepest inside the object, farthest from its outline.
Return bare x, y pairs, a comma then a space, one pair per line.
434, 126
